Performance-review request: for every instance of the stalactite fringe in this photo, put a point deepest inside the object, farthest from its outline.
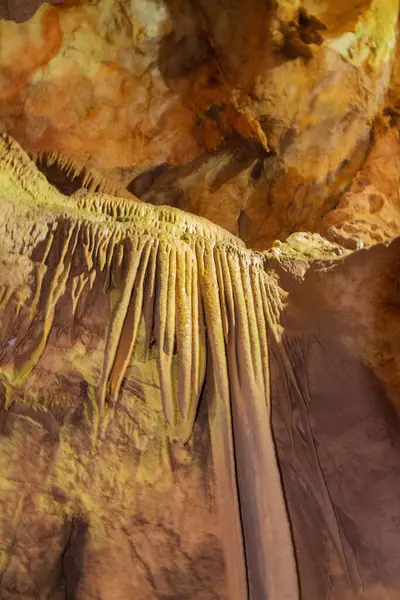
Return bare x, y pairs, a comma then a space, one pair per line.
205, 301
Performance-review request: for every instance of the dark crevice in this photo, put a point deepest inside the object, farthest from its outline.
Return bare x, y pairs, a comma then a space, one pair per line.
165, 184
58, 178
143, 182
72, 558
257, 170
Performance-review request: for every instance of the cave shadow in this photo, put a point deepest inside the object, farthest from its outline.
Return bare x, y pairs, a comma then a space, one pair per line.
72, 560
197, 31
184, 53
204, 578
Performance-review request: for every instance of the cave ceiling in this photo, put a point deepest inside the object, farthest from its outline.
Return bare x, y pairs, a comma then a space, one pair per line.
267, 118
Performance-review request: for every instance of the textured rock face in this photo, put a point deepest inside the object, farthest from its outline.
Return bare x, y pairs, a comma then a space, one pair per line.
140, 351
369, 212
337, 435
185, 308
181, 416
257, 116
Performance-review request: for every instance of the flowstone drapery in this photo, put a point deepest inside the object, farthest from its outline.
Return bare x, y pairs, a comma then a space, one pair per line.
181, 417
168, 290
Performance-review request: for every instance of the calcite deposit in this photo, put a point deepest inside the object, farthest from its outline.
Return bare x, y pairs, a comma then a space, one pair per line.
186, 309
141, 350
199, 300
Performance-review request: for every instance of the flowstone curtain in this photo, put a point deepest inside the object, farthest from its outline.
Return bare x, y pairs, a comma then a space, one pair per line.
193, 294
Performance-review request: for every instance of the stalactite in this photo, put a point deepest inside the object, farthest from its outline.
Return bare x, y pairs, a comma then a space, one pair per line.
93, 180
204, 300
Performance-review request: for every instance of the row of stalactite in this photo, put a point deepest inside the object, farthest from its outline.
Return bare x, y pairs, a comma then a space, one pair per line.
208, 304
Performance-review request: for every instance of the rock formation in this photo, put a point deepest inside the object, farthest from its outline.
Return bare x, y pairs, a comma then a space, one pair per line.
186, 303
199, 407
255, 115
172, 403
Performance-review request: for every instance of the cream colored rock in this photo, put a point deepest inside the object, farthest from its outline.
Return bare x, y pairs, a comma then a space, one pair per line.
370, 210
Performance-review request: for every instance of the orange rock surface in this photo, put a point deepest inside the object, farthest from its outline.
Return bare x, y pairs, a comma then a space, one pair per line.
142, 86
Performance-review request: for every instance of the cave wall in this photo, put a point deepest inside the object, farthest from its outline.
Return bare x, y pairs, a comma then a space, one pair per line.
335, 417
146, 451
267, 119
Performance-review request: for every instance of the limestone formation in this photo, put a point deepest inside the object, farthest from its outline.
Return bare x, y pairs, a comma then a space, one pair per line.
184, 307
134, 365
256, 115
199, 394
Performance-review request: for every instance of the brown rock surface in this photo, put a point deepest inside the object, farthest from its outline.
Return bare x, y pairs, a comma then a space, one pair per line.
113, 483
182, 417
370, 211
334, 385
